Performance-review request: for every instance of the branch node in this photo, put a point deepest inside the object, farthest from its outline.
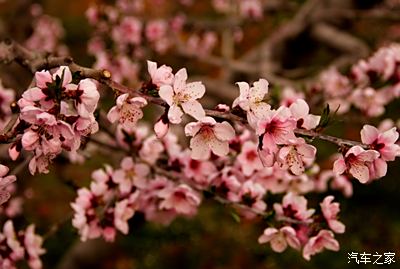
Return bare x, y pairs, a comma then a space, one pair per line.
106, 74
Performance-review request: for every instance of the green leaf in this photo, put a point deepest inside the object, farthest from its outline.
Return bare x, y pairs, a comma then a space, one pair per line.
235, 216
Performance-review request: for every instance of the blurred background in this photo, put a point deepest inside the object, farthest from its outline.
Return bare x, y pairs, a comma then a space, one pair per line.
303, 38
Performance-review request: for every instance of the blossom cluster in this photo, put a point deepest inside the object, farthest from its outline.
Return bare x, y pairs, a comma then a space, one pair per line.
114, 196
148, 185
54, 115
129, 37
20, 246
369, 164
371, 84
47, 34
296, 231
121, 36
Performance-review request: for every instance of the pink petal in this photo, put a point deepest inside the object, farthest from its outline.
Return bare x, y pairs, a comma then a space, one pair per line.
389, 137
218, 147
299, 109
65, 73
13, 153
167, 93
390, 152
33, 94
3, 170
200, 150
175, 114
307, 151
380, 167
113, 114
195, 90
278, 243
368, 155
138, 101
142, 170
122, 99
161, 128
244, 89
337, 226
151, 67
127, 163
42, 78
180, 80
360, 172
295, 163
339, 166
290, 236
369, 134
29, 139
268, 234
311, 121
192, 128
259, 109
224, 131
194, 109
259, 90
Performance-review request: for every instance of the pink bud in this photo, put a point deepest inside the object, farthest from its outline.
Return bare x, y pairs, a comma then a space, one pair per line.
161, 128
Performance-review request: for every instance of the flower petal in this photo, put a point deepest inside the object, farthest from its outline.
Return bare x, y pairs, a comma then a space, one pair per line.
194, 109
200, 150
218, 147
166, 93
360, 172
224, 131
175, 114
195, 90
369, 134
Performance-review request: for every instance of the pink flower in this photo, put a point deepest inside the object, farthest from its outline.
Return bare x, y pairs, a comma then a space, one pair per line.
129, 31
251, 194
276, 128
161, 127
127, 111
370, 101
293, 207
122, 213
296, 156
9, 241
300, 110
208, 135
324, 239
251, 100
183, 199
356, 162
251, 8
383, 142
131, 174
33, 245
156, 29
161, 75
151, 149
280, 239
182, 98
199, 171
150, 201
330, 211
248, 159
86, 97
5, 181
289, 95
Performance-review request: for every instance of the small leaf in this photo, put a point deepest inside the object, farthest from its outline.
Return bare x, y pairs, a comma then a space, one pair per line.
235, 216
